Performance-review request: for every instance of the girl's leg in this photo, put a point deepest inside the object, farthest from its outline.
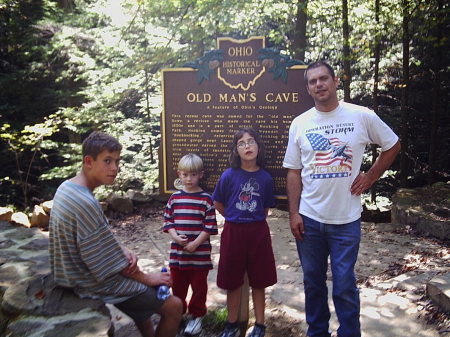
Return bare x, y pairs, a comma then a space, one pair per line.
259, 303
233, 301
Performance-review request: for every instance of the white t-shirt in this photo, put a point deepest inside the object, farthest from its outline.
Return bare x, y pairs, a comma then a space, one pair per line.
328, 147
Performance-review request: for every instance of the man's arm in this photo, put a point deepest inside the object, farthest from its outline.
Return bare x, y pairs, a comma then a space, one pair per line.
366, 179
294, 191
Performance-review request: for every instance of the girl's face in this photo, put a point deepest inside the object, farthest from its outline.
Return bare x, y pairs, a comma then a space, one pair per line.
247, 148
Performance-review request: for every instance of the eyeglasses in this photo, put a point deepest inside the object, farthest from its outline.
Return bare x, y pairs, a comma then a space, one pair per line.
243, 144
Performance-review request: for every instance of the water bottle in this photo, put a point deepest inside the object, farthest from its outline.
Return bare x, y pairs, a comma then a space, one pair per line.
163, 291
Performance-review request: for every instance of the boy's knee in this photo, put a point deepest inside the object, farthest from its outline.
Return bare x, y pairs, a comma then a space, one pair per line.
173, 307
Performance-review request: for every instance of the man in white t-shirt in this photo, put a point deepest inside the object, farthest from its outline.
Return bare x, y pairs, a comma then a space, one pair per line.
324, 184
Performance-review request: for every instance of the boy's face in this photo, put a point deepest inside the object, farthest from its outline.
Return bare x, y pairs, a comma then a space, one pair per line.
190, 180
104, 169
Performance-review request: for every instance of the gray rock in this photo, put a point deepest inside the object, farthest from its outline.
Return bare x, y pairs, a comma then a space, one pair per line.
432, 217
37, 307
21, 233
438, 289
138, 197
120, 204
5, 225
5, 213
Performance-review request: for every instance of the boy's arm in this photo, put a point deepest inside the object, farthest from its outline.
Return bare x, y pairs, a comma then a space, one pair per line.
193, 245
132, 260
182, 240
149, 279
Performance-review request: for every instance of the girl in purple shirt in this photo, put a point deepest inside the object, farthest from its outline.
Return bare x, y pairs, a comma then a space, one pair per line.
243, 196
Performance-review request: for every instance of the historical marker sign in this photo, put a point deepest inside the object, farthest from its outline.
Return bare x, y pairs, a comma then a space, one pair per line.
241, 84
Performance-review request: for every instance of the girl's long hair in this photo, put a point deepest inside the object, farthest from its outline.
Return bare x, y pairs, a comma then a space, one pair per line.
235, 160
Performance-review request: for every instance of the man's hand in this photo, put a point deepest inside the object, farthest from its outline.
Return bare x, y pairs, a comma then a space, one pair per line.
297, 226
362, 182
365, 180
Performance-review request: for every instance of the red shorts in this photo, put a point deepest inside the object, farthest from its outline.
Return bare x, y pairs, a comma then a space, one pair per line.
246, 247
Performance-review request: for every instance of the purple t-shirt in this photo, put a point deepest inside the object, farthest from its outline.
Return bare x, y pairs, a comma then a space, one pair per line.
245, 195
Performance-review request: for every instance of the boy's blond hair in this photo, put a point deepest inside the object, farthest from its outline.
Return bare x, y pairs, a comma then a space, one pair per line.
190, 163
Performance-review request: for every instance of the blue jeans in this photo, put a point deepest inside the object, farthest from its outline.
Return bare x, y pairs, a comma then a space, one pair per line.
341, 243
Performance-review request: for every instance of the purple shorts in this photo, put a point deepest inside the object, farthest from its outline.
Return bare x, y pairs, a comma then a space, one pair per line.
246, 247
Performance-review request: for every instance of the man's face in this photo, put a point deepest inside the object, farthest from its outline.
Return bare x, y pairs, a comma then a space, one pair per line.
321, 86
104, 169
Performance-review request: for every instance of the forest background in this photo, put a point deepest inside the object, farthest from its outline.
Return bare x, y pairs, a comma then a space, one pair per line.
68, 67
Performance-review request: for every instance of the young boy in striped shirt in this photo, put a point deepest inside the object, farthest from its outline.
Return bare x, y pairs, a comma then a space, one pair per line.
85, 255
190, 219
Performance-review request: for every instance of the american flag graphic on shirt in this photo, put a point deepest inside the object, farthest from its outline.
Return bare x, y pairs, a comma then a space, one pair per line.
331, 153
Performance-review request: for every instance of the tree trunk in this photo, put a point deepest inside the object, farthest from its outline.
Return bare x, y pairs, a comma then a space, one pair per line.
376, 79
299, 43
346, 40
404, 160
67, 5
438, 55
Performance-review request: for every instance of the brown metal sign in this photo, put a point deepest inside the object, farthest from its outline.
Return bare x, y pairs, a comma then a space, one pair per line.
241, 84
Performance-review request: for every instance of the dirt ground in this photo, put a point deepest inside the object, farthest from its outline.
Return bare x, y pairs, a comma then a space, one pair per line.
386, 253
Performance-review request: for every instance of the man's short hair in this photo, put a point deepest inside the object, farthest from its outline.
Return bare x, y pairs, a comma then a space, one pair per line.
190, 163
97, 142
318, 64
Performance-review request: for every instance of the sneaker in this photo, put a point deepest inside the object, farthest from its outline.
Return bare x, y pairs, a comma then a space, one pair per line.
231, 330
259, 330
194, 326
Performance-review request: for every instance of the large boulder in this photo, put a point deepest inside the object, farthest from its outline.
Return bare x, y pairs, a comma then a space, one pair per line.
120, 204
39, 218
6, 213
37, 307
425, 209
20, 218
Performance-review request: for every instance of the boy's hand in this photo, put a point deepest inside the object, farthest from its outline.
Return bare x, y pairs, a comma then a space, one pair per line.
182, 240
191, 247
132, 260
160, 278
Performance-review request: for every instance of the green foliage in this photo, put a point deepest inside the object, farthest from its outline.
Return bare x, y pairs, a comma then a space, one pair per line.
28, 140
95, 65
